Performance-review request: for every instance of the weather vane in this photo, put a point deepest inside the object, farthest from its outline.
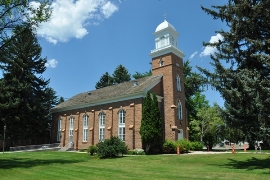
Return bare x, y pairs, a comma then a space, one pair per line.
164, 16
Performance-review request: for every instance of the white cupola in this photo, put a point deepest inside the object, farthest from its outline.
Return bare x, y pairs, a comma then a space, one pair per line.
166, 38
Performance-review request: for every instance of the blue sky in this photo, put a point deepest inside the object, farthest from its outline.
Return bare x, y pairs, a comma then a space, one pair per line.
86, 38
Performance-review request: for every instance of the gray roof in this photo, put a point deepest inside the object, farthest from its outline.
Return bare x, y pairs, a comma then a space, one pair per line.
109, 94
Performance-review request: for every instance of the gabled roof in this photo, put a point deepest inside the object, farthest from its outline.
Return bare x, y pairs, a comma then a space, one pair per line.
114, 93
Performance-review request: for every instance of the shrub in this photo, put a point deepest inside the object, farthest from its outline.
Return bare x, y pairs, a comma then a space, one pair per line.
184, 145
81, 150
92, 149
196, 146
138, 152
169, 146
111, 147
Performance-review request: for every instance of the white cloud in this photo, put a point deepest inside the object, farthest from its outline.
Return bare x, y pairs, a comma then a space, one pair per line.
210, 50
51, 63
69, 18
108, 9
192, 55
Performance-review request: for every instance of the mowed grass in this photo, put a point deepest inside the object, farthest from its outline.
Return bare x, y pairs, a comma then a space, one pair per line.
68, 165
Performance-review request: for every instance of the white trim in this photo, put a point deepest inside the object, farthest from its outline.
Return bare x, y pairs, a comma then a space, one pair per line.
85, 127
59, 129
163, 31
179, 110
71, 126
178, 83
140, 94
121, 125
101, 126
165, 50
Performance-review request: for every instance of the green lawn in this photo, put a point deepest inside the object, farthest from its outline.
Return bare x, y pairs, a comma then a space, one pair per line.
67, 165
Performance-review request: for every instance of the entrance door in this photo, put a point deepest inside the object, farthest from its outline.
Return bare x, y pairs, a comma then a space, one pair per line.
180, 134
70, 137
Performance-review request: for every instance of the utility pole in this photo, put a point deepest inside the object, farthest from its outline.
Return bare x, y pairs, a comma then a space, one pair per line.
4, 138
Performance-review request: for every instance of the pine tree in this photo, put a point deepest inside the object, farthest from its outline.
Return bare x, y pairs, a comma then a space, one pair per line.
24, 101
150, 129
138, 75
61, 99
105, 80
121, 75
156, 120
242, 64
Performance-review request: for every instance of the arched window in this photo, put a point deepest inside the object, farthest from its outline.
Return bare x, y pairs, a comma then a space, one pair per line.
179, 108
178, 83
121, 124
101, 126
59, 130
71, 128
85, 127
161, 63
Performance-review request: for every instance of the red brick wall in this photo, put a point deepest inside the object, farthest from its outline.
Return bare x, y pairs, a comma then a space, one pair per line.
133, 117
172, 65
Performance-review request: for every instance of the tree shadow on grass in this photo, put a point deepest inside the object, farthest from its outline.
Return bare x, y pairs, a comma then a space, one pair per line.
28, 163
250, 164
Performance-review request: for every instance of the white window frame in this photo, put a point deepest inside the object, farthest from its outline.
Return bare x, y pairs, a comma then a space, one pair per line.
121, 124
179, 110
101, 126
59, 130
85, 127
71, 126
161, 63
178, 83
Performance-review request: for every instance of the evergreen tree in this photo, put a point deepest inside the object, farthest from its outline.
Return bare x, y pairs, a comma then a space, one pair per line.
61, 99
156, 119
24, 95
150, 129
121, 75
138, 75
242, 64
105, 80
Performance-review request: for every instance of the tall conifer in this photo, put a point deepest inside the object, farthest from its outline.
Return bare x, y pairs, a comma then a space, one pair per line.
242, 64
105, 80
120, 75
24, 94
150, 129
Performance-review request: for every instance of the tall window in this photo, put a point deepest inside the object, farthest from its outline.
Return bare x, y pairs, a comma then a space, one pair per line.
101, 126
178, 83
162, 41
71, 126
179, 107
161, 63
121, 124
85, 127
59, 129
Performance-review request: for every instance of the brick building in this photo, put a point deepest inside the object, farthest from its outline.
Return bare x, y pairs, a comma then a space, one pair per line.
93, 116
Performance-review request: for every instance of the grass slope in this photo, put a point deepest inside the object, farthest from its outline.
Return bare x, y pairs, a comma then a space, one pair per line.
67, 165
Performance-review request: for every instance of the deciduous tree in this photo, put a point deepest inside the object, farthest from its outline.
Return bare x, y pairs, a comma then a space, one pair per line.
18, 12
